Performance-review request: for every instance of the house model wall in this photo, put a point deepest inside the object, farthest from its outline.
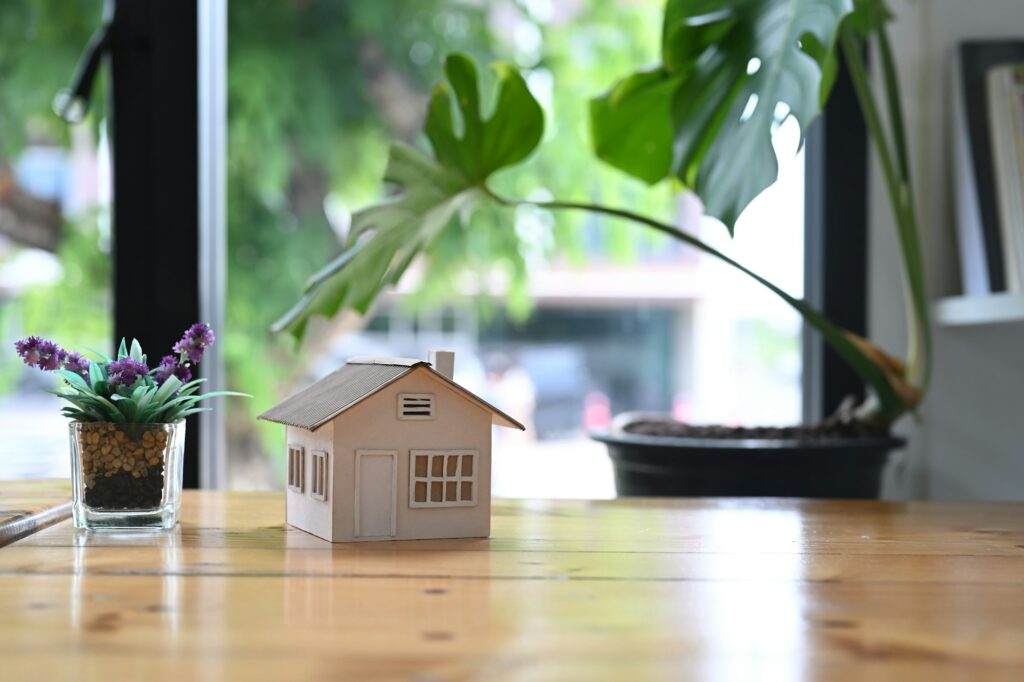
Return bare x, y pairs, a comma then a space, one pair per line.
389, 449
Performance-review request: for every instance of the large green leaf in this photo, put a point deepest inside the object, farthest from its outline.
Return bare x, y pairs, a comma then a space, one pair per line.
730, 69
434, 193
631, 124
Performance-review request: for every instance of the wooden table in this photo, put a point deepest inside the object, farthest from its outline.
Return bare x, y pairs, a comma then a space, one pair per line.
622, 590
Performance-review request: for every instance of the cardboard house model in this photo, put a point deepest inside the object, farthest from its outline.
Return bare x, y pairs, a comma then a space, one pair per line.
389, 449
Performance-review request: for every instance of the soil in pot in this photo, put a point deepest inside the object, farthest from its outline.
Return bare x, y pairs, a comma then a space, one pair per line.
816, 433
660, 456
123, 470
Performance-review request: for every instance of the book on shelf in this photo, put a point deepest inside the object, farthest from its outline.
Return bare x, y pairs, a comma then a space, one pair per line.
1005, 89
980, 230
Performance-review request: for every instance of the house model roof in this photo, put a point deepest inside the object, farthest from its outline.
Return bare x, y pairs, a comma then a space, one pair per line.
357, 380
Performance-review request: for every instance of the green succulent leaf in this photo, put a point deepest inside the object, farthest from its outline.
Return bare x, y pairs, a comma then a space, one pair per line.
435, 191
127, 406
730, 70
122, 350
189, 412
74, 380
136, 351
168, 389
96, 373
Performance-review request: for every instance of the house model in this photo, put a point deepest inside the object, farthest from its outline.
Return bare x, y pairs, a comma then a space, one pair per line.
389, 449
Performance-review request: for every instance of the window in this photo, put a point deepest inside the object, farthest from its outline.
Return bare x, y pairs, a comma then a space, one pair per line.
700, 340
318, 484
296, 468
415, 406
442, 478
55, 216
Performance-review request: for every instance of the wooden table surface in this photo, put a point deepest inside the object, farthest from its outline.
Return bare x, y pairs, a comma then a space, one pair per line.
620, 590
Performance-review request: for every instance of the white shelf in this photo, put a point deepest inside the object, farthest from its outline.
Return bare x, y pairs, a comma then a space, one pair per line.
998, 308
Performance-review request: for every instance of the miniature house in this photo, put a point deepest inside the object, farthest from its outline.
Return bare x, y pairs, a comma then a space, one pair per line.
389, 449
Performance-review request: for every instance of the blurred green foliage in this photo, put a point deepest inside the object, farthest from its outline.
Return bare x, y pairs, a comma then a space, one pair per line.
316, 90
40, 42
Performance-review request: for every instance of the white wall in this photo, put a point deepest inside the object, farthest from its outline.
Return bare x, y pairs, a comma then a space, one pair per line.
967, 445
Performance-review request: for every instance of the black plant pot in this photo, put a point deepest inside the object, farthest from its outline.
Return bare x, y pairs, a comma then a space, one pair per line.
663, 466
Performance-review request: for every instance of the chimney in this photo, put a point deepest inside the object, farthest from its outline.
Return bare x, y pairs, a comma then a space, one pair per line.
444, 362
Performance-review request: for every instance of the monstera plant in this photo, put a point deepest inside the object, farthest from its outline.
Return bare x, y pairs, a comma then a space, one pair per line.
730, 70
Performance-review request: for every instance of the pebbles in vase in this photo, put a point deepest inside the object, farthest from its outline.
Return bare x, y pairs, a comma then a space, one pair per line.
122, 468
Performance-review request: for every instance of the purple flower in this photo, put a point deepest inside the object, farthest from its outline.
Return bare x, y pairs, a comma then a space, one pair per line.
28, 349
37, 352
51, 356
77, 364
196, 340
125, 372
169, 367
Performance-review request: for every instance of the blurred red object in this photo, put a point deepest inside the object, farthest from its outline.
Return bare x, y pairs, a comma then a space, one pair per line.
682, 408
597, 411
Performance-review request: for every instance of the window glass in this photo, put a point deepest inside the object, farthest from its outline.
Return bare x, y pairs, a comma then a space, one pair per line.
582, 317
55, 274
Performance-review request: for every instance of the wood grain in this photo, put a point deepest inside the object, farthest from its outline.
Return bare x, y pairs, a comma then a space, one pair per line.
27, 507
617, 590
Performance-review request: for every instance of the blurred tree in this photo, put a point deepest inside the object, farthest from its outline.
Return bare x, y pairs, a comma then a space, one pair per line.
40, 42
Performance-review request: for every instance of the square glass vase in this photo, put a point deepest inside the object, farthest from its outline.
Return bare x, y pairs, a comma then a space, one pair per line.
126, 475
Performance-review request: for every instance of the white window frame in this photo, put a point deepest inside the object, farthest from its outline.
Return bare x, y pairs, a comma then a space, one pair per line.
319, 482
446, 477
429, 405
296, 468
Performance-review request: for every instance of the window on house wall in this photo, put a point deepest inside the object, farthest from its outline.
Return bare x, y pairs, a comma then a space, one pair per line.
442, 478
318, 482
296, 468
414, 406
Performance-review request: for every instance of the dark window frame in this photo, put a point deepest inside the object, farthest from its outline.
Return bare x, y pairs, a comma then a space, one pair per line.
836, 244
154, 134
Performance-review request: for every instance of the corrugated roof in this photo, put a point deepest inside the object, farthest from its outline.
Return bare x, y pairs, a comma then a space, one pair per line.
359, 379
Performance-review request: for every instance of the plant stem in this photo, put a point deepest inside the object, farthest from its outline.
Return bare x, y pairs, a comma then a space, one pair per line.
918, 371
890, 405
892, 97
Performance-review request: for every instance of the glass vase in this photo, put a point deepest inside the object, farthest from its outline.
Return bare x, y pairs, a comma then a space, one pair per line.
126, 475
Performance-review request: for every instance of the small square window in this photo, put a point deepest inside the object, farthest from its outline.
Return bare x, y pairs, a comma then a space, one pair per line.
319, 480
413, 406
442, 478
296, 468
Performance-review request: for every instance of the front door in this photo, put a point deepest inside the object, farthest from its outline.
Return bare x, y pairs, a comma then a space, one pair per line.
375, 493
